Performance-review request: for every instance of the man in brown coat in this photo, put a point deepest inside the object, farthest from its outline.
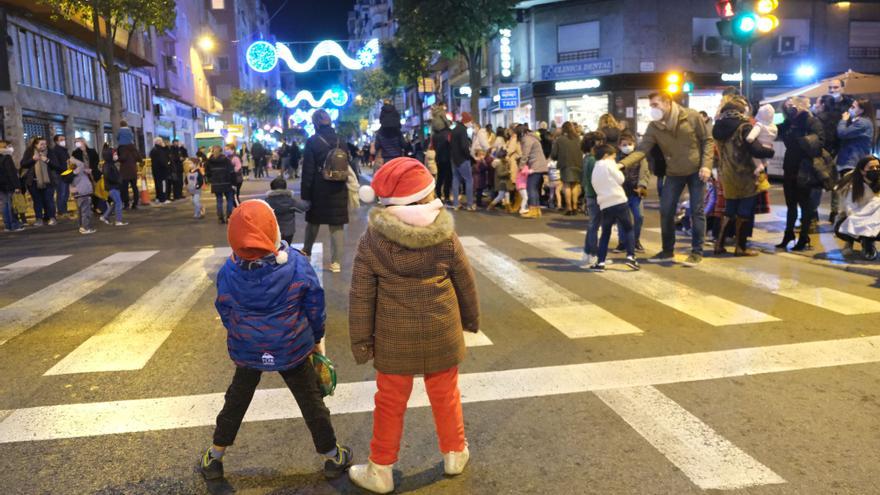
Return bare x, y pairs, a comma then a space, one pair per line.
412, 294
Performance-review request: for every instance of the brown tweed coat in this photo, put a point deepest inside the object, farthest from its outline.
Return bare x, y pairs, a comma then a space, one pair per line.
412, 294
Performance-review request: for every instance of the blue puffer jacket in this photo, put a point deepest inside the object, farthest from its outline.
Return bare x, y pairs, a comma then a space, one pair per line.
855, 141
273, 313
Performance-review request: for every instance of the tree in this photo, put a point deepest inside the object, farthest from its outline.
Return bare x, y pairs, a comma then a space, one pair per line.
407, 58
111, 20
253, 105
458, 27
370, 88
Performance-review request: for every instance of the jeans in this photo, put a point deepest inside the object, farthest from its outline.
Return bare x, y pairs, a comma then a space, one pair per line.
123, 189
84, 205
9, 220
337, 240
591, 241
460, 173
197, 202
620, 215
660, 181
230, 202
673, 186
116, 199
62, 194
536, 180
635, 207
44, 205
391, 398
302, 383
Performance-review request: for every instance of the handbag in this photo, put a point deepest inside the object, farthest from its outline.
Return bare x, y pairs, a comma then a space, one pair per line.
19, 204
101, 190
326, 372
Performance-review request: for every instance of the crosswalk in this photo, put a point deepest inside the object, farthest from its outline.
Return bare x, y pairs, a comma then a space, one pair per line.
129, 341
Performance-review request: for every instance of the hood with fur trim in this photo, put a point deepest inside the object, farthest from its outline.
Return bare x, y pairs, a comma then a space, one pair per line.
6, 151
408, 236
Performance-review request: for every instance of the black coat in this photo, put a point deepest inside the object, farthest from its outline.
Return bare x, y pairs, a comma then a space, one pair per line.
177, 155
285, 207
94, 161
58, 157
221, 173
440, 140
460, 148
9, 181
161, 158
795, 133
829, 125
329, 199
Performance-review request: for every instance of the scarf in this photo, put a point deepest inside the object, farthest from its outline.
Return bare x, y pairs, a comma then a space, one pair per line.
420, 215
734, 114
41, 169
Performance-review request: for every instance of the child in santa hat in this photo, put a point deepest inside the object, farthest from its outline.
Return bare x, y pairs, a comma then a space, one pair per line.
412, 295
272, 305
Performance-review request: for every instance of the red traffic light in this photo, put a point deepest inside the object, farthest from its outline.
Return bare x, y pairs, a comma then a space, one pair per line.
724, 8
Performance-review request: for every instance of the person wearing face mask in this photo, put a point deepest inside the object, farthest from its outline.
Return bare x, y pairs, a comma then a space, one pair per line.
688, 150
38, 179
855, 133
635, 185
862, 208
58, 156
89, 157
9, 185
461, 162
160, 157
566, 150
804, 138
841, 101
238, 176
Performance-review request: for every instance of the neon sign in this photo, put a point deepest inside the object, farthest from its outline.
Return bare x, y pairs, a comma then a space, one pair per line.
262, 56
338, 97
506, 53
577, 84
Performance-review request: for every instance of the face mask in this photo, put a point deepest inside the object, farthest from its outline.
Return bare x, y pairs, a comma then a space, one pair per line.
791, 112
656, 114
627, 149
853, 113
11, 150
62, 143
80, 145
228, 153
837, 95
115, 157
872, 175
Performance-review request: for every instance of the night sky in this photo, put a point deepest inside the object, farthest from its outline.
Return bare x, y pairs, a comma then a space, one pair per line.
302, 20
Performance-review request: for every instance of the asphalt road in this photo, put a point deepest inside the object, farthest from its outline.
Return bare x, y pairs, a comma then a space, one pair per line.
756, 376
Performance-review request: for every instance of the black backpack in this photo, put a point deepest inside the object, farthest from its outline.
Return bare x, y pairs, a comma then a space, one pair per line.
336, 164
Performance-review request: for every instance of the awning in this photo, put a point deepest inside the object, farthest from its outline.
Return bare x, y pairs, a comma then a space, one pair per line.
855, 83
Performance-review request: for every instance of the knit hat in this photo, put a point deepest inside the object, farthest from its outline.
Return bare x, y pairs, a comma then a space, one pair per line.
253, 232
466, 117
401, 181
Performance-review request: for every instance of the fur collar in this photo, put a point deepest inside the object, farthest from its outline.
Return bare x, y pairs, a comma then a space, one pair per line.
6, 151
409, 236
280, 192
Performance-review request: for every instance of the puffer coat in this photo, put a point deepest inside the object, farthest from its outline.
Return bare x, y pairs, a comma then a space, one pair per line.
329, 199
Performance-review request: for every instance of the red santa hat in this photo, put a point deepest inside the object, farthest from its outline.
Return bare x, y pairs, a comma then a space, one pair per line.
253, 232
401, 181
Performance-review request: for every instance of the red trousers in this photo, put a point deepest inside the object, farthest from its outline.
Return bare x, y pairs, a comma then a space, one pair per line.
391, 399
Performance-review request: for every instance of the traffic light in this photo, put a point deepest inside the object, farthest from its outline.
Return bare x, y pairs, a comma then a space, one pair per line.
753, 20
673, 83
687, 84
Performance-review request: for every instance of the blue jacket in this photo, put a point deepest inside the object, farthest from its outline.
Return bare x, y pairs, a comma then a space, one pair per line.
855, 141
273, 313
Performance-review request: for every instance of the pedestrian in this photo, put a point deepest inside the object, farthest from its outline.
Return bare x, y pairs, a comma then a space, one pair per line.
504, 182
260, 155
221, 173
480, 173
286, 206
113, 182
125, 136
536, 164
635, 185
862, 208
546, 138
764, 132
388, 142
609, 126
687, 146
441, 137
412, 295
823, 109
10, 184
238, 175
522, 187
58, 156
607, 180
804, 138
38, 179
202, 153
82, 188
589, 144
275, 325
177, 155
328, 199
855, 132
129, 156
566, 150
195, 181
160, 156
460, 152
295, 158
89, 157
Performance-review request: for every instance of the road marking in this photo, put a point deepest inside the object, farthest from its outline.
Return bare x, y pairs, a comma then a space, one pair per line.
15, 271
711, 309
316, 260
476, 339
130, 340
708, 459
27, 312
565, 310
820, 297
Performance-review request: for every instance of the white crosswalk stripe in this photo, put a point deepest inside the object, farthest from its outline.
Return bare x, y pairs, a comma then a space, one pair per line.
564, 310
709, 308
27, 312
19, 269
130, 340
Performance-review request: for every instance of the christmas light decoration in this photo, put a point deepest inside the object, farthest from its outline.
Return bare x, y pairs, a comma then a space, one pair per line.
338, 97
262, 56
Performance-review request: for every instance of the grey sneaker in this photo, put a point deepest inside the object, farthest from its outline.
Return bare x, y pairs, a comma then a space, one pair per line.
693, 259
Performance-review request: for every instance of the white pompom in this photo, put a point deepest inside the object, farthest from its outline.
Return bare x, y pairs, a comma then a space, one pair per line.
281, 257
367, 194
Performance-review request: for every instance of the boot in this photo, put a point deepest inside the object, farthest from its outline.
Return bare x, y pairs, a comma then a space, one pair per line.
719, 240
373, 477
454, 462
786, 238
742, 230
516, 204
532, 213
803, 242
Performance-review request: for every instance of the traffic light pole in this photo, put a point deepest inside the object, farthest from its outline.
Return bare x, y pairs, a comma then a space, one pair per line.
745, 61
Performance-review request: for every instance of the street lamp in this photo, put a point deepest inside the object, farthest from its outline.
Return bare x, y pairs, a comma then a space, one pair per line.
206, 43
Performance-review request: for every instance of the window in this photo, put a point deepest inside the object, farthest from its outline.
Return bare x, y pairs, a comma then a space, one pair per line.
223, 63
218, 4
40, 62
864, 39
577, 41
170, 63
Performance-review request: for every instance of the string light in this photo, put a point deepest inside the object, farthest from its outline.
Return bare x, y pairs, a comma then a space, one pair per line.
262, 56
336, 96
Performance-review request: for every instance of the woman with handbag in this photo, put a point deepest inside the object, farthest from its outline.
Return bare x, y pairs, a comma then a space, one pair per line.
804, 138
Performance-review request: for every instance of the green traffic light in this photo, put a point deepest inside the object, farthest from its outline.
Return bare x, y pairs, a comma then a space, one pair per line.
687, 87
746, 24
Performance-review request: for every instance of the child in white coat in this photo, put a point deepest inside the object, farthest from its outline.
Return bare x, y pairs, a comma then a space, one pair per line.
765, 132
607, 180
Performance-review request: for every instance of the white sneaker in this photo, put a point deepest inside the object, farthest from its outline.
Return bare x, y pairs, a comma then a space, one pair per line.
167, 202
454, 462
335, 268
86, 231
38, 223
587, 259
373, 477
52, 221
120, 224
105, 220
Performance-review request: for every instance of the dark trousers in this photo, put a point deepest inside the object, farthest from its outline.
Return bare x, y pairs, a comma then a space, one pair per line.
230, 202
303, 384
161, 183
620, 215
444, 180
795, 197
44, 201
176, 189
672, 189
123, 190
